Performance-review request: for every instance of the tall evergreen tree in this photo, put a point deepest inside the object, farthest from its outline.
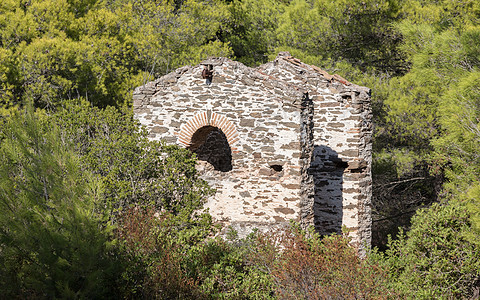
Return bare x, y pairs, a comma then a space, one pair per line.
51, 241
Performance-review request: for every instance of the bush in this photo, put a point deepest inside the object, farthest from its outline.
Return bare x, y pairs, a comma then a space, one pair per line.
168, 260
63, 191
154, 255
437, 258
307, 267
133, 170
281, 264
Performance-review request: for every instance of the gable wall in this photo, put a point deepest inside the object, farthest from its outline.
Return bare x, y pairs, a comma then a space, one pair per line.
266, 132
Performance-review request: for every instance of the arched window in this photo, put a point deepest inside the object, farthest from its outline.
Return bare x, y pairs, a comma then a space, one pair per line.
211, 137
211, 145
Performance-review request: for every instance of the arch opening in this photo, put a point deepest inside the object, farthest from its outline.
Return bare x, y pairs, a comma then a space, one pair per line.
211, 145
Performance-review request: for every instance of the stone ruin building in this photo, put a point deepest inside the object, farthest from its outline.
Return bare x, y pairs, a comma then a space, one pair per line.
282, 141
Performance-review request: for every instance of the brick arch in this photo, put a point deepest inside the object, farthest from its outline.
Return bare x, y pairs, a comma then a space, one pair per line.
207, 118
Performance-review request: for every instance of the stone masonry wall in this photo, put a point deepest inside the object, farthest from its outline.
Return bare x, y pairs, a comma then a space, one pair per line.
340, 163
261, 125
298, 141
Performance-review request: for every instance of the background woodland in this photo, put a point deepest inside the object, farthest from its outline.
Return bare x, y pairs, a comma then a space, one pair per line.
90, 208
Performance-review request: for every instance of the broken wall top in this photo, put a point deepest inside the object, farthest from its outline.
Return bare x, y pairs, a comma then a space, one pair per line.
286, 76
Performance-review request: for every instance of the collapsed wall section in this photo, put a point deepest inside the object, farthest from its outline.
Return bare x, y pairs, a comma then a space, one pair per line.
344, 124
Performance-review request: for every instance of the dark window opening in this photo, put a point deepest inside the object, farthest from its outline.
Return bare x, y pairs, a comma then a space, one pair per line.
211, 145
339, 163
277, 168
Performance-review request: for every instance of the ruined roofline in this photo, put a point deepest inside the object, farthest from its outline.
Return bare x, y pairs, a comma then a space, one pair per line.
286, 56
287, 61
295, 61
284, 61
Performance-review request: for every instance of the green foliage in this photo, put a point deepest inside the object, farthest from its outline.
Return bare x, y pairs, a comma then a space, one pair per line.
474, 209
318, 32
402, 183
228, 271
163, 35
422, 99
427, 109
174, 261
436, 258
99, 50
435, 107
459, 118
59, 188
356, 32
442, 13
250, 30
51, 241
457, 148
57, 56
281, 264
155, 254
132, 169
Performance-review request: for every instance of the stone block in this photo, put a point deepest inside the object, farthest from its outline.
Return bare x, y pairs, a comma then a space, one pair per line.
330, 104
218, 79
284, 210
158, 129
247, 122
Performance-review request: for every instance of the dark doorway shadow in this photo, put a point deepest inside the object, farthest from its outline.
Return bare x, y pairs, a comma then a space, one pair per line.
211, 145
327, 170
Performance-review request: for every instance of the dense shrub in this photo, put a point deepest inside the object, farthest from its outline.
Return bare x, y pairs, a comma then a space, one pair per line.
62, 191
284, 264
307, 267
168, 260
437, 258
151, 246
133, 170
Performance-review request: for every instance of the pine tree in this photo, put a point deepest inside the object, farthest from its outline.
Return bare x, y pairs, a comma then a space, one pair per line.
51, 242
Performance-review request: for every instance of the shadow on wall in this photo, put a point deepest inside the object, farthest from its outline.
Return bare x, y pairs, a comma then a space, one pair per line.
327, 170
211, 145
